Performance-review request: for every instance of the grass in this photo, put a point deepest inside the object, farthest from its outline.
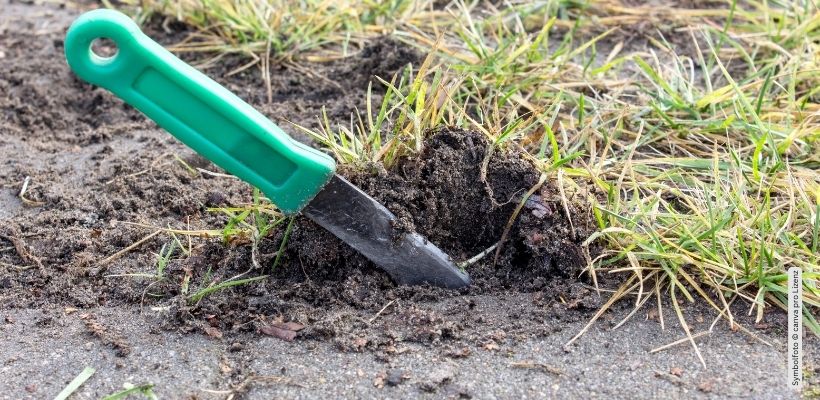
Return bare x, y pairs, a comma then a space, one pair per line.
698, 152
245, 224
215, 287
75, 383
146, 390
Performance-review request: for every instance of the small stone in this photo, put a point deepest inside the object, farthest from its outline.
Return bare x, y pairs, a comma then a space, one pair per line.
380, 379
213, 332
236, 346
491, 346
359, 343
395, 377
225, 367
215, 199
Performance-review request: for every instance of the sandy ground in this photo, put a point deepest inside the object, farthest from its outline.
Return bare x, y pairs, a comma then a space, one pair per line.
86, 154
603, 364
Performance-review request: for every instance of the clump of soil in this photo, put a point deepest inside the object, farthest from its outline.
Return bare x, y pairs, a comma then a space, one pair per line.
461, 195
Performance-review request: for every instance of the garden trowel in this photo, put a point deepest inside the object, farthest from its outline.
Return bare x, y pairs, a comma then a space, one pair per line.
224, 129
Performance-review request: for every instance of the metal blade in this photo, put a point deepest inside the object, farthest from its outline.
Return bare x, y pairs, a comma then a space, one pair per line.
367, 226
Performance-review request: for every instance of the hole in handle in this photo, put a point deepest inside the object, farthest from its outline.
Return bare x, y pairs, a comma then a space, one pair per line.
103, 50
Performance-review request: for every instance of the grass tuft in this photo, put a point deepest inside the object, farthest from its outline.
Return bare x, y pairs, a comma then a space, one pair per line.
692, 133
204, 292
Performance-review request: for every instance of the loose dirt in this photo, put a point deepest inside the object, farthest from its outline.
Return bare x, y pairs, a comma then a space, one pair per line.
76, 249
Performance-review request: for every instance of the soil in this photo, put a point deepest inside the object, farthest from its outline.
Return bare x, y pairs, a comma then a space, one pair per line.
100, 180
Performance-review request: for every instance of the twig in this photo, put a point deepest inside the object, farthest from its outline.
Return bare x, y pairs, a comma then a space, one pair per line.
381, 311
241, 68
243, 386
478, 256
515, 215
312, 74
21, 250
537, 365
114, 179
677, 342
22, 194
483, 174
637, 306
685, 325
625, 288
17, 267
216, 174
129, 248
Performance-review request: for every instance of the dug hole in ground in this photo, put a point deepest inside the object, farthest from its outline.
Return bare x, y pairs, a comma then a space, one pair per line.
78, 256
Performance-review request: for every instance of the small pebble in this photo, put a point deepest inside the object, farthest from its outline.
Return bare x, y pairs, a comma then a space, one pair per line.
395, 377
214, 199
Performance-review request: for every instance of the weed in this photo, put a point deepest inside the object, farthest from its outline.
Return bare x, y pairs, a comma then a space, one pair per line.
284, 242
202, 293
245, 224
164, 257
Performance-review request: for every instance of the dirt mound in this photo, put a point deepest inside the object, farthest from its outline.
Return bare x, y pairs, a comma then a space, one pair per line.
462, 201
447, 195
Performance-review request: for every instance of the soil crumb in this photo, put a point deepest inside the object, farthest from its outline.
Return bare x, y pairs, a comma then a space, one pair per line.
107, 335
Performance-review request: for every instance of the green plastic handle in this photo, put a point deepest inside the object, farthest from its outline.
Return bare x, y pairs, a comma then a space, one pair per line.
196, 110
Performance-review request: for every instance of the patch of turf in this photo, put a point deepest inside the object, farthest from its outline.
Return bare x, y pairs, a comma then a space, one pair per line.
691, 132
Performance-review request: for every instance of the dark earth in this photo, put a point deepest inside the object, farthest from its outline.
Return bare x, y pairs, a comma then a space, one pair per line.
78, 250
